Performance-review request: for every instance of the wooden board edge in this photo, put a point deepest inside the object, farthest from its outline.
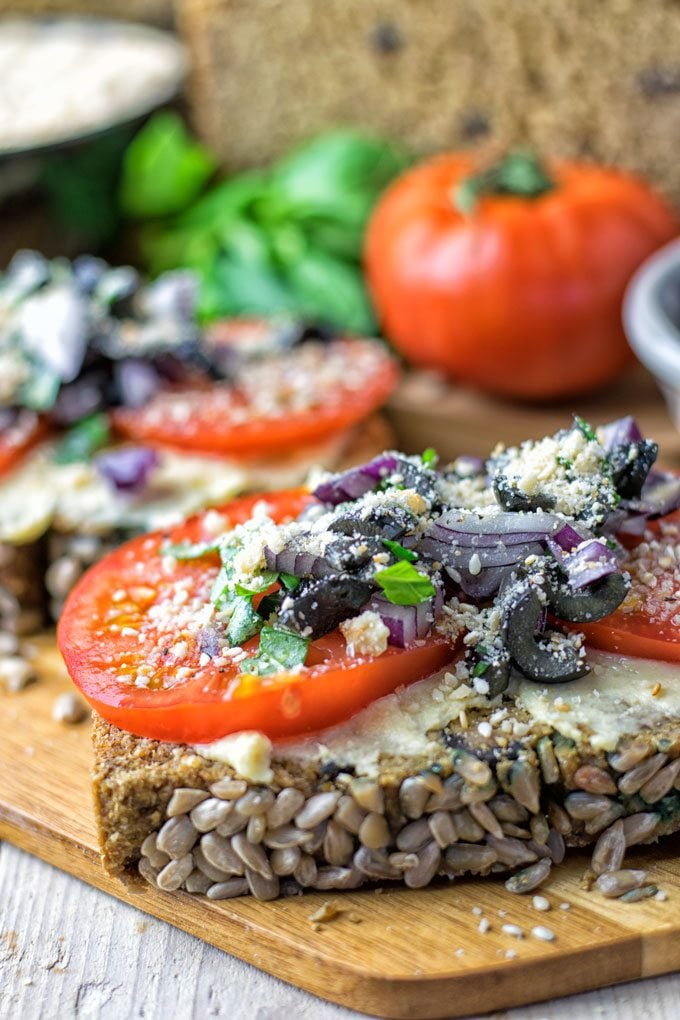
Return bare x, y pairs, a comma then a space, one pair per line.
418, 998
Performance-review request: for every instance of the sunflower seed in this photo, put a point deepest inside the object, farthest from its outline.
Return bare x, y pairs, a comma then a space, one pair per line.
177, 837
548, 761
228, 890
234, 823
637, 828
256, 828
528, 879
174, 874
368, 795
197, 882
374, 832
661, 784
338, 878
450, 798
604, 820
402, 861
594, 780
286, 836
512, 852
414, 836
644, 893
149, 849
338, 844
542, 933
429, 860
556, 846
610, 850
284, 862
256, 801
316, 838
467, 828
184, 800
559, 819
306, 871
349, 814
628, 757
586, 806
261, 886
634, 780
229, 789
539, 828
252, 855
374, 864
525, 785
219, 852
413, 796
287, 804
515, 830
485, 817
318, 808
541, 903
470, 794
472, 769
474, 857
508, 810
443, 828
147, 871
540, 849
613, 884
512, 929
210, 813
204, 865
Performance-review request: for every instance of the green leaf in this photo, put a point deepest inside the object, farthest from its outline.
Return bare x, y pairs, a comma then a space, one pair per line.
587, 430
289, 582
268, 577
83, 439
516, 173
221, 590
244, 621
399, 552
279, 650
164, 169
404, 585
429, 457
189, 550
41, 389
328, 290
480, 669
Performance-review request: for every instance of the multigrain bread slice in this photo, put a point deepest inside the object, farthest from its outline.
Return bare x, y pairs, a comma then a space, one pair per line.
431, 782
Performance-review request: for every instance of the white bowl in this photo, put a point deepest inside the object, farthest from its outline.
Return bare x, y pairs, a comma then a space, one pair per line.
651, 318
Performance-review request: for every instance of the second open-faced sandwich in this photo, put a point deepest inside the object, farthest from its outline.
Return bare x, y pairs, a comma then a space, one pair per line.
413, 671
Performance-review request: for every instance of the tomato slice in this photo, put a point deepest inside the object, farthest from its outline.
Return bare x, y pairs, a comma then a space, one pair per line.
285, 404
19, 438
131, 639
647, 624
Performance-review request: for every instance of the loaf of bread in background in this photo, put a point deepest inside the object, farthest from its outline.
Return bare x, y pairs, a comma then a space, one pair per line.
582, 79
154, 12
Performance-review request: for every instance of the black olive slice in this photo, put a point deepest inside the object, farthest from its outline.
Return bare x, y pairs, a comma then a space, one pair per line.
383, 522
630, 464
516, 501
346, 554
318, 608
588, 604
523, 612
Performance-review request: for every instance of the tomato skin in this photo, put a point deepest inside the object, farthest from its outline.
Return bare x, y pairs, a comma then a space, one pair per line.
213, 701
19, 439
210, 427
523, 296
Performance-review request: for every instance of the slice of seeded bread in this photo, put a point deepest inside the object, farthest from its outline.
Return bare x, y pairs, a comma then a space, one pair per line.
509, 793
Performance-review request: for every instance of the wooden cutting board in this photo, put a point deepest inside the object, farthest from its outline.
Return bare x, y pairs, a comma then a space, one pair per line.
388, 952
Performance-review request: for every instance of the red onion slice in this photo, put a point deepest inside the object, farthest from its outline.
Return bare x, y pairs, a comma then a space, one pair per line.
356, 482
127, 469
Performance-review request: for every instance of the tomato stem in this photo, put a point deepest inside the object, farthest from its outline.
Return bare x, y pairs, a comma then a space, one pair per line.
517, 173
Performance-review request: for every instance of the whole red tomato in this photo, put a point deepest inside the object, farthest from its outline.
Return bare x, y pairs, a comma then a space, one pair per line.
511, 279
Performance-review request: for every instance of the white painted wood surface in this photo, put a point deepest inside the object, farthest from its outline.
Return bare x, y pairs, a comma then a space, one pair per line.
69, 951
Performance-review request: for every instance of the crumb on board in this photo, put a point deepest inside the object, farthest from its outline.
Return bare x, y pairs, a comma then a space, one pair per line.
326, 912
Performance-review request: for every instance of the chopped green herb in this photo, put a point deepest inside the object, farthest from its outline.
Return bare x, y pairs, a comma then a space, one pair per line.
83, 440
429, 457
189, 550
564, 462
265, 580
480, 669
611, 544
404, 585
587, 430
221, 590
279, 650
244, 621
399, 552
270, 604
289, 582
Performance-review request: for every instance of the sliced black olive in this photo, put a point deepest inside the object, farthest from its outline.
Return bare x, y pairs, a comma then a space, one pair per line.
630, 464
383, 522
516, 501
496, 673
523, 610
347, 554
419, 478
318, 608
590, 603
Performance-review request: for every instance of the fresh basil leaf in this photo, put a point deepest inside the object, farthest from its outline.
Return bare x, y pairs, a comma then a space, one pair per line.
328, 290
221, 590
404, 585
279, 650
270, 604
268, 578
429, 457
480, 669
164, 169
244, 621
289, 582
399, 552
189, 550
83, 440
587, 430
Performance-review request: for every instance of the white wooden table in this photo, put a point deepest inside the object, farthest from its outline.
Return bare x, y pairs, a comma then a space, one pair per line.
69, 951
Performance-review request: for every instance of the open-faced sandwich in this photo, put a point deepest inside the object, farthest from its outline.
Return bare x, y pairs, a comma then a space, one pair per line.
119, 414
412, 671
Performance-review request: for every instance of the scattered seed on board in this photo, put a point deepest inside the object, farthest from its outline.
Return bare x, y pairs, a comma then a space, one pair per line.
543, 934
615, 883
69, 709
528, 879
565, 906
644, 893
512, 929
484, 926
541, 903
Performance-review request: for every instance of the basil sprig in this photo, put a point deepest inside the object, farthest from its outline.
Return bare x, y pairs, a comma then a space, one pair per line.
404, 585
279, 650
399, 552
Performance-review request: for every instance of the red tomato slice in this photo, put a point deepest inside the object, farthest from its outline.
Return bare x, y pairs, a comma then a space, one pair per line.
131, 642
647, 623
19, 438
282, 407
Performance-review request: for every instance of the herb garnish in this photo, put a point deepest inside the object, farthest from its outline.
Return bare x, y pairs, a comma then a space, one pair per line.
404, 585
83, 440
399, 552
279, 650
587, 430
429, 457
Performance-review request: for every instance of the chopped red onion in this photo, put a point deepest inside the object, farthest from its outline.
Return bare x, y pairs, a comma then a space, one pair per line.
137, 381
620, 432
300, 564
660, 495
407, 623
356, 482
589, 563
467, 528
128, 468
